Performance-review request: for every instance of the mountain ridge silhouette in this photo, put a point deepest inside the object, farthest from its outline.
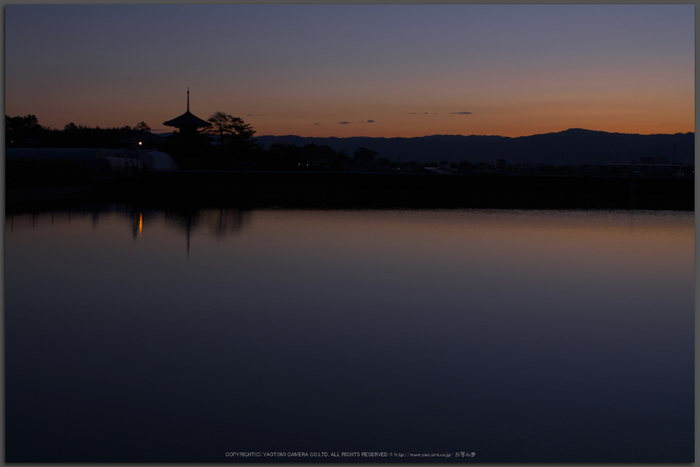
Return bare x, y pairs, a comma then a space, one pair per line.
574, 146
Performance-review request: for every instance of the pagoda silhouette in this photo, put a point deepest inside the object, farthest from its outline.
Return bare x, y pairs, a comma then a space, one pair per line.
187, 123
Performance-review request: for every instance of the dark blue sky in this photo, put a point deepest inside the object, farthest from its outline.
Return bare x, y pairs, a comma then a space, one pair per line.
386, 70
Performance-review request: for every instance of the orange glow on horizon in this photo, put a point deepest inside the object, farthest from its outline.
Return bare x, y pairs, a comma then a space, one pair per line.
521, 113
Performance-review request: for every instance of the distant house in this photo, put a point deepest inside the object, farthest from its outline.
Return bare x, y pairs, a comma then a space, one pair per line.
653, 160
645, 167
438, 171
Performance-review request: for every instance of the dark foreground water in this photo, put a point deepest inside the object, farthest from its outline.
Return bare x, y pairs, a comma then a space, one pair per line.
223, 335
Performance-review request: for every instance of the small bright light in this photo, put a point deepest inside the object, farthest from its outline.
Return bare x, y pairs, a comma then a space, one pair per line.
140, 143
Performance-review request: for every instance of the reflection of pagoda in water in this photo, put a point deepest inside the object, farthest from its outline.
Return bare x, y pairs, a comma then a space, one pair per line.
187, 123
220, 222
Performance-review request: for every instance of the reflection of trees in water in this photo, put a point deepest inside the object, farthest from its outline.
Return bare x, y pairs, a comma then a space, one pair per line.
220, 222
51, 217
225, 221
217, 221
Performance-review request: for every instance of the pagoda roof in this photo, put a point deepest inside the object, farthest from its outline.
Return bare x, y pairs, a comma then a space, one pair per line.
187, 119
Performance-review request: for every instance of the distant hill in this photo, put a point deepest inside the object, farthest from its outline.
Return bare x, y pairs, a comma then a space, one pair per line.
571, 147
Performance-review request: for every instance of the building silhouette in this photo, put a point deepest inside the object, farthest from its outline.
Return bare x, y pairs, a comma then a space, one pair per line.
188, 124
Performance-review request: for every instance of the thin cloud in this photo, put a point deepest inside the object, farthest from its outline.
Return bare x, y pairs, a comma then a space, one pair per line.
460, 113
316, 123
343, 123
370, 121
256, 115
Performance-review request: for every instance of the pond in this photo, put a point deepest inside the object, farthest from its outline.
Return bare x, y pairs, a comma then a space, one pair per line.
222, 335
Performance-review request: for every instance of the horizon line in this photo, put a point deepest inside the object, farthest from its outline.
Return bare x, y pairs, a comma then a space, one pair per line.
492, 135
158, 130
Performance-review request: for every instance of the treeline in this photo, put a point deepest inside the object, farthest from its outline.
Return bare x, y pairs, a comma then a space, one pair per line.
22, 132
228, 144
246, 154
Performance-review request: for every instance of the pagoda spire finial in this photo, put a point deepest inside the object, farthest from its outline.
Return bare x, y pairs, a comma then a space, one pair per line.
188, 98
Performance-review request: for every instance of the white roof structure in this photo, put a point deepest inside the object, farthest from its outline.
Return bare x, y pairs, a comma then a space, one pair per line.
118, 163
156, 160
151, 160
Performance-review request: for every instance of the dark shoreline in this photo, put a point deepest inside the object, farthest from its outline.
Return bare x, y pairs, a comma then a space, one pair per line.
369, 190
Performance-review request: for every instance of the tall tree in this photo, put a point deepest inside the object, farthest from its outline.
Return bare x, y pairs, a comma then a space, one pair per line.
228, 127
142, 126
18, 130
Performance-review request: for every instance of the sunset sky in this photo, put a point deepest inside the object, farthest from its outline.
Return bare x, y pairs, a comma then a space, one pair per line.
353, 70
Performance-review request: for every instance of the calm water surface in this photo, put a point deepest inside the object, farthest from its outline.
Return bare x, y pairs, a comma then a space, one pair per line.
520, 336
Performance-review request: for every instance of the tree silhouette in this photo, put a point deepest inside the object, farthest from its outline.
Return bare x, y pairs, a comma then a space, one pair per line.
228, 127
365, 155
142, 126
282, 156
20, 129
